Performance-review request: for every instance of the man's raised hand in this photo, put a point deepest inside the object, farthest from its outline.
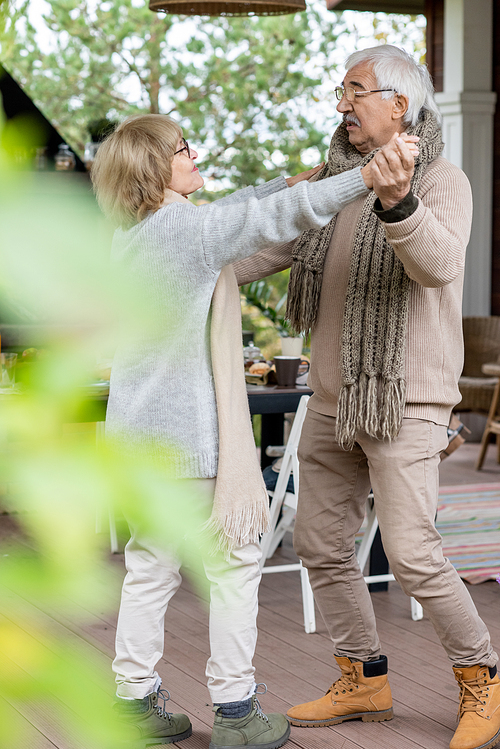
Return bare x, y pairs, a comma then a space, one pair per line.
391, 169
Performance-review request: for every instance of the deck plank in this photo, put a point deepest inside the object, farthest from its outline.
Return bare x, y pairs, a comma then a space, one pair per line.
25, 734
295, 666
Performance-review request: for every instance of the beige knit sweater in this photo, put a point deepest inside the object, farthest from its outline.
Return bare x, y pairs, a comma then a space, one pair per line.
431, 244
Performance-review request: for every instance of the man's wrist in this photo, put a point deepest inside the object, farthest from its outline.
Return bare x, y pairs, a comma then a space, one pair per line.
399, 212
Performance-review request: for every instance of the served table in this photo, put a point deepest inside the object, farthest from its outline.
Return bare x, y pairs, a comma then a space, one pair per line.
272, 402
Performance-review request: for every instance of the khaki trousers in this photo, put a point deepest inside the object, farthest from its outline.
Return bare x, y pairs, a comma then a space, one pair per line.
403, 474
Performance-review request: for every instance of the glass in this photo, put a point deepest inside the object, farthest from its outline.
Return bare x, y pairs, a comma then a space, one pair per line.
8, 370
41, 163
65, 159
251, 355
350, 94
184, 148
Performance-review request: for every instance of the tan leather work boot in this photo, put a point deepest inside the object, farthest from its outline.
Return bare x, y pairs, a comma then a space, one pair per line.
362, 692
479, 710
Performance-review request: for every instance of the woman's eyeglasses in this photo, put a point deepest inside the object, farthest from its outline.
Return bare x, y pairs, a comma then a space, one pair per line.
184, 148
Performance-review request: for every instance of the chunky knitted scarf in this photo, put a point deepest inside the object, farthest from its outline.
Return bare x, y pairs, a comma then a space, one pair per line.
373, 393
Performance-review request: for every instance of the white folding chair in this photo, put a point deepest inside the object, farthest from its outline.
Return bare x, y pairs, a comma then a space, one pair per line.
286, 502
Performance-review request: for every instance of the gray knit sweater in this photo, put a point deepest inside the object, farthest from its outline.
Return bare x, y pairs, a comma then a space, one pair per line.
161, 392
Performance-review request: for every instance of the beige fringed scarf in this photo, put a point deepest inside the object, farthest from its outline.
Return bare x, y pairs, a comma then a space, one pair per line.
373, 393
240, 512
241, 504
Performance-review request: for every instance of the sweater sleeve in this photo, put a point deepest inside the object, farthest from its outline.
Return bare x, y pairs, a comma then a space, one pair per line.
236, 232
431, 242
262, 191
264, 263
268, 261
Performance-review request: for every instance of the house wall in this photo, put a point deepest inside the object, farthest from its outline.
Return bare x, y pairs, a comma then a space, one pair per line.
495, 250
468, 104
434, 13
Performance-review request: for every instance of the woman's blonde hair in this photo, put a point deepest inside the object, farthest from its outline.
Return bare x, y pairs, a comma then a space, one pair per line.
133, 167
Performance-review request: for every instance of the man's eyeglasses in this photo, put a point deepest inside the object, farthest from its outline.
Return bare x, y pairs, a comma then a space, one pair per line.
350, 94
184, 148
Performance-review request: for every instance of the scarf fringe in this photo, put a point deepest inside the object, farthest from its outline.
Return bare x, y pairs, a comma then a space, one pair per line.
347, 416
368, 416
303, 298
393, 406
237, 528
376, 407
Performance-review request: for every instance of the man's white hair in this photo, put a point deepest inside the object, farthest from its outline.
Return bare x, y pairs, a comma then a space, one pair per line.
396, 69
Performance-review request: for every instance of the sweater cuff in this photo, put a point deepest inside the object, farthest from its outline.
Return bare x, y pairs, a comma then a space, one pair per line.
350, 185
399, 212
275, 185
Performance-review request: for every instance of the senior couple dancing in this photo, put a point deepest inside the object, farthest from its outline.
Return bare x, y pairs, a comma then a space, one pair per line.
376, 240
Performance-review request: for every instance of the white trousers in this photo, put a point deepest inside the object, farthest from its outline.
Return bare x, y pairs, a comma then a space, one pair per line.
152, 579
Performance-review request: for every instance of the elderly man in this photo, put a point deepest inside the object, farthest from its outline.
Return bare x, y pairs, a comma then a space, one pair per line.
380, 288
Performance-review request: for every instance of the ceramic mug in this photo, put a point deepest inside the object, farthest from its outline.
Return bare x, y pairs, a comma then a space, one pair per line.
292, 345
287, 369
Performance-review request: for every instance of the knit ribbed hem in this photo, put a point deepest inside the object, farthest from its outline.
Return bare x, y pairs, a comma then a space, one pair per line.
429, 412
425, 411
195, 467
178, 464
350, 185
404, 228
399, 212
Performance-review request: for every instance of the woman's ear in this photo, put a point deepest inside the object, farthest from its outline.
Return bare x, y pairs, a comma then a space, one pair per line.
400, 106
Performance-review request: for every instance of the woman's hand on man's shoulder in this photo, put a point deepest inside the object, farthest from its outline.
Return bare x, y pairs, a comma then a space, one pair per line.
291, 181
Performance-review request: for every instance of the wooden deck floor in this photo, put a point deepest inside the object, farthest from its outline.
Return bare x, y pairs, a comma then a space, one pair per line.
295, 666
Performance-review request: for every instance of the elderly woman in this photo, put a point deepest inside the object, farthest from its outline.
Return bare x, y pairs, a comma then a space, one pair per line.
179, 392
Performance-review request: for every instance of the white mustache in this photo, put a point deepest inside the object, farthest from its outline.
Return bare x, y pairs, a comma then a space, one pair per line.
352, 119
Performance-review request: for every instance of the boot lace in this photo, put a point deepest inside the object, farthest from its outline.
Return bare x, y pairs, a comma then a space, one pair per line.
346, 682
472, 694
161, 711
258, 710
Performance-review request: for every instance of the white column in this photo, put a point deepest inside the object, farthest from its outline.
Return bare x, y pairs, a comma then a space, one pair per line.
468, 104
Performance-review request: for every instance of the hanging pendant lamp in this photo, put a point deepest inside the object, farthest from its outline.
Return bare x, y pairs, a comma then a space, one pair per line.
228, 7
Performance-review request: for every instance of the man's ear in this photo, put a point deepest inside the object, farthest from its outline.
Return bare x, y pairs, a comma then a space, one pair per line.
400, 106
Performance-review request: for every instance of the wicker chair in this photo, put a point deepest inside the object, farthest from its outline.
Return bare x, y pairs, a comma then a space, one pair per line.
482, 346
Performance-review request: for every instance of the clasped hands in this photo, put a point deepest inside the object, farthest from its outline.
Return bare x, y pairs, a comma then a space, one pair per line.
389, 173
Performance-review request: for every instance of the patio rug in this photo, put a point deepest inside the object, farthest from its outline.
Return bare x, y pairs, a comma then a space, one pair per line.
468, 519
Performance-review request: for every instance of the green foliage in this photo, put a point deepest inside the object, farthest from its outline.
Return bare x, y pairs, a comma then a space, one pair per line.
254, 94
240, 86
263, 308
259, 294
388, 28
55, 579
3, 14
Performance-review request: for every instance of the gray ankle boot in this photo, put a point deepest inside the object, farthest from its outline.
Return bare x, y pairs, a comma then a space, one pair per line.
145, 723
254, 731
